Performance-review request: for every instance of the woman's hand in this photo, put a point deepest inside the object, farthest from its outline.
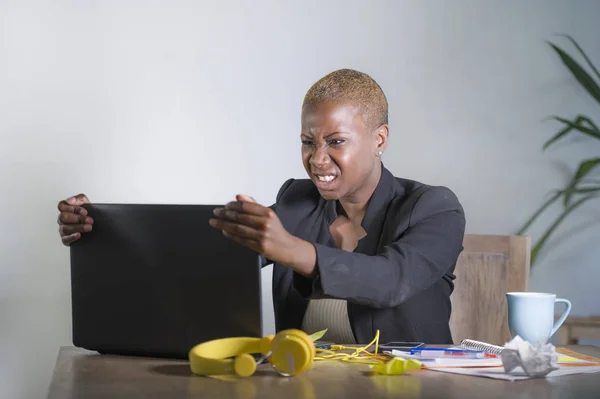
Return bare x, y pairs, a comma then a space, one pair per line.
259, 228
73, 219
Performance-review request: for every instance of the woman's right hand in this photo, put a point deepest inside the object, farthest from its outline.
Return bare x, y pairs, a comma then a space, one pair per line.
73, 219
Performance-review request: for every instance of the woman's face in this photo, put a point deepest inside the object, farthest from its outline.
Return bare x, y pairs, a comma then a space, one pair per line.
339, 151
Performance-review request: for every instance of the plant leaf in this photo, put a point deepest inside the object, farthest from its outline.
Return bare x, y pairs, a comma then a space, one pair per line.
581, 190
589, 181
578, 72
592, 131
561, 132
582, 53
558, 194
317, 335
577, 125
538, 213
592, 124
556, 223
584, 168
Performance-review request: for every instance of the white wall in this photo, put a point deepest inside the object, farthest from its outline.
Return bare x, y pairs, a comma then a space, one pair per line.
193, 102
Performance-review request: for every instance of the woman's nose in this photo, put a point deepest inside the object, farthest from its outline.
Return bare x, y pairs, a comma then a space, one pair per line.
319, 157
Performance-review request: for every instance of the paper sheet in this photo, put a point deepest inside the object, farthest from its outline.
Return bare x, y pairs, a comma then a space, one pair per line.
570, 359
449, 361
517, 374
492, 368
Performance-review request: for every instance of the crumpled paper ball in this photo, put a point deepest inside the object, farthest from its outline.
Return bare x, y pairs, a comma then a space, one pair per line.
535, 360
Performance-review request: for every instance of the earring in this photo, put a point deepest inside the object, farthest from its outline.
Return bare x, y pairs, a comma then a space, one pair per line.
379, 153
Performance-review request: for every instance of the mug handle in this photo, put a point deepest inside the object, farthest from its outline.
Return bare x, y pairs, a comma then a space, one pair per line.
563, 316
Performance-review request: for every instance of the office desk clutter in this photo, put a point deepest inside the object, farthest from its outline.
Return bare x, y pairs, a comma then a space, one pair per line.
381, 363
535, 360
516, 360
527, 355
290, 352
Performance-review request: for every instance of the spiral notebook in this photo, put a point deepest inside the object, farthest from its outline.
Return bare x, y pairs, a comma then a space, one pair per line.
482, 346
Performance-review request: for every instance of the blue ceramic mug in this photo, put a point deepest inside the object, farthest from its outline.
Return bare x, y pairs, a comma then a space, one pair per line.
531, 315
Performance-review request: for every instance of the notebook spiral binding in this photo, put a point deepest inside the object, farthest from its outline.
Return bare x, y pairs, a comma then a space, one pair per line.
483, 346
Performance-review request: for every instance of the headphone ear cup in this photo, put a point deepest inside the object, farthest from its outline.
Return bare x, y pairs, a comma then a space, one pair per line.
292, 352
244, 365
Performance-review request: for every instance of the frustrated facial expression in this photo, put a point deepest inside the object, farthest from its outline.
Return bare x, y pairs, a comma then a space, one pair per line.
339, 150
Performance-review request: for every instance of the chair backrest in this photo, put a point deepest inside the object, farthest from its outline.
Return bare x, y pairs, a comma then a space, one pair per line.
488, 268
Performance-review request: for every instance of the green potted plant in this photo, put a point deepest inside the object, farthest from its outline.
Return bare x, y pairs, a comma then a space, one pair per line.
581, 187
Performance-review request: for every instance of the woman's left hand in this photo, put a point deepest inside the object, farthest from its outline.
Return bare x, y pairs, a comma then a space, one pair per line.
259, 228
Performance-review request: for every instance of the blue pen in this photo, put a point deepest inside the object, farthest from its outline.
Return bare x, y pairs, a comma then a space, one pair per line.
447, 352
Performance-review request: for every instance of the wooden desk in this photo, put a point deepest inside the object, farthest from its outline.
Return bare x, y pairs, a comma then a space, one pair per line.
82, 374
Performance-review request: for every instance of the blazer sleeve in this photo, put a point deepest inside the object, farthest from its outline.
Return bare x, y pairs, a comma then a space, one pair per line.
416, 260
264, 261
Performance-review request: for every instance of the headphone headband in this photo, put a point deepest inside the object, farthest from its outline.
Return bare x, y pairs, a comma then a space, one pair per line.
291, 352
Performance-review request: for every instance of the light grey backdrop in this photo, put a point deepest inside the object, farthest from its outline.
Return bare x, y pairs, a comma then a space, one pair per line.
193, 102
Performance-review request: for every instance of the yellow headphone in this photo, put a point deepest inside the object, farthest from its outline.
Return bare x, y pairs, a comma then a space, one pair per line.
290, 352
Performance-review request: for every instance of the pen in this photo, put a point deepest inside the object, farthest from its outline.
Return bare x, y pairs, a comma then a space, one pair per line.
447, 352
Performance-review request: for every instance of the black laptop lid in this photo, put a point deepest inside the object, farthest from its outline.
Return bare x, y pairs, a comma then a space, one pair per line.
155, 280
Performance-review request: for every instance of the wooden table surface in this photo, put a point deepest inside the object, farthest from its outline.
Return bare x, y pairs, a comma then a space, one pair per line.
83, 374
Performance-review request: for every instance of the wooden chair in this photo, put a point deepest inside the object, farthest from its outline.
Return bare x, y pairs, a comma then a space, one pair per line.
488, 268
576, 328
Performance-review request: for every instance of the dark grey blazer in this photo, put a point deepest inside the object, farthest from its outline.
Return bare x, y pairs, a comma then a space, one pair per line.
399, 278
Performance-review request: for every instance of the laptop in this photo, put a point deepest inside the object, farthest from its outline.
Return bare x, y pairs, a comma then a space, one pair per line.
155, 280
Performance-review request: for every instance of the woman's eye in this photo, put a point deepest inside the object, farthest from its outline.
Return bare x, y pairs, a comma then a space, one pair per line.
336, 141
306, 142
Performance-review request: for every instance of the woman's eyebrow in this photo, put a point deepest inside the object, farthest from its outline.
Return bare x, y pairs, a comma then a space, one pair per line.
325, 137
337, 132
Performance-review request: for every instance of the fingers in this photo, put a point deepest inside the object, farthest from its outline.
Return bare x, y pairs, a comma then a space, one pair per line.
252, 208
64, 206
74, 205
245, 242
257, 222
69, 229
244, 198
73, 218
236, 229
70, 239
79, 199
243, 221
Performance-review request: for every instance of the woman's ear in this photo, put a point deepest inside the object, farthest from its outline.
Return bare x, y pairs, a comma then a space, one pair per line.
381, 139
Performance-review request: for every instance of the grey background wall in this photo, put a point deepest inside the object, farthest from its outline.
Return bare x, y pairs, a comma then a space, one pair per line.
192, 102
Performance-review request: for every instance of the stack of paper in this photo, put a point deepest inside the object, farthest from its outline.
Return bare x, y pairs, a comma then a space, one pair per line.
450, 361
493, 368
518, 374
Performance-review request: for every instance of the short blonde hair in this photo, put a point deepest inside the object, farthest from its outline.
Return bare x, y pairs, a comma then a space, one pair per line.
351, 87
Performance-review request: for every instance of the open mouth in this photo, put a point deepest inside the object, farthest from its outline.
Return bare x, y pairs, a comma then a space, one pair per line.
325, 181
326, 178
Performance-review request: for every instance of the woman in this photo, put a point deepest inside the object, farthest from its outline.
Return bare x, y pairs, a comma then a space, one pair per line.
354, 248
